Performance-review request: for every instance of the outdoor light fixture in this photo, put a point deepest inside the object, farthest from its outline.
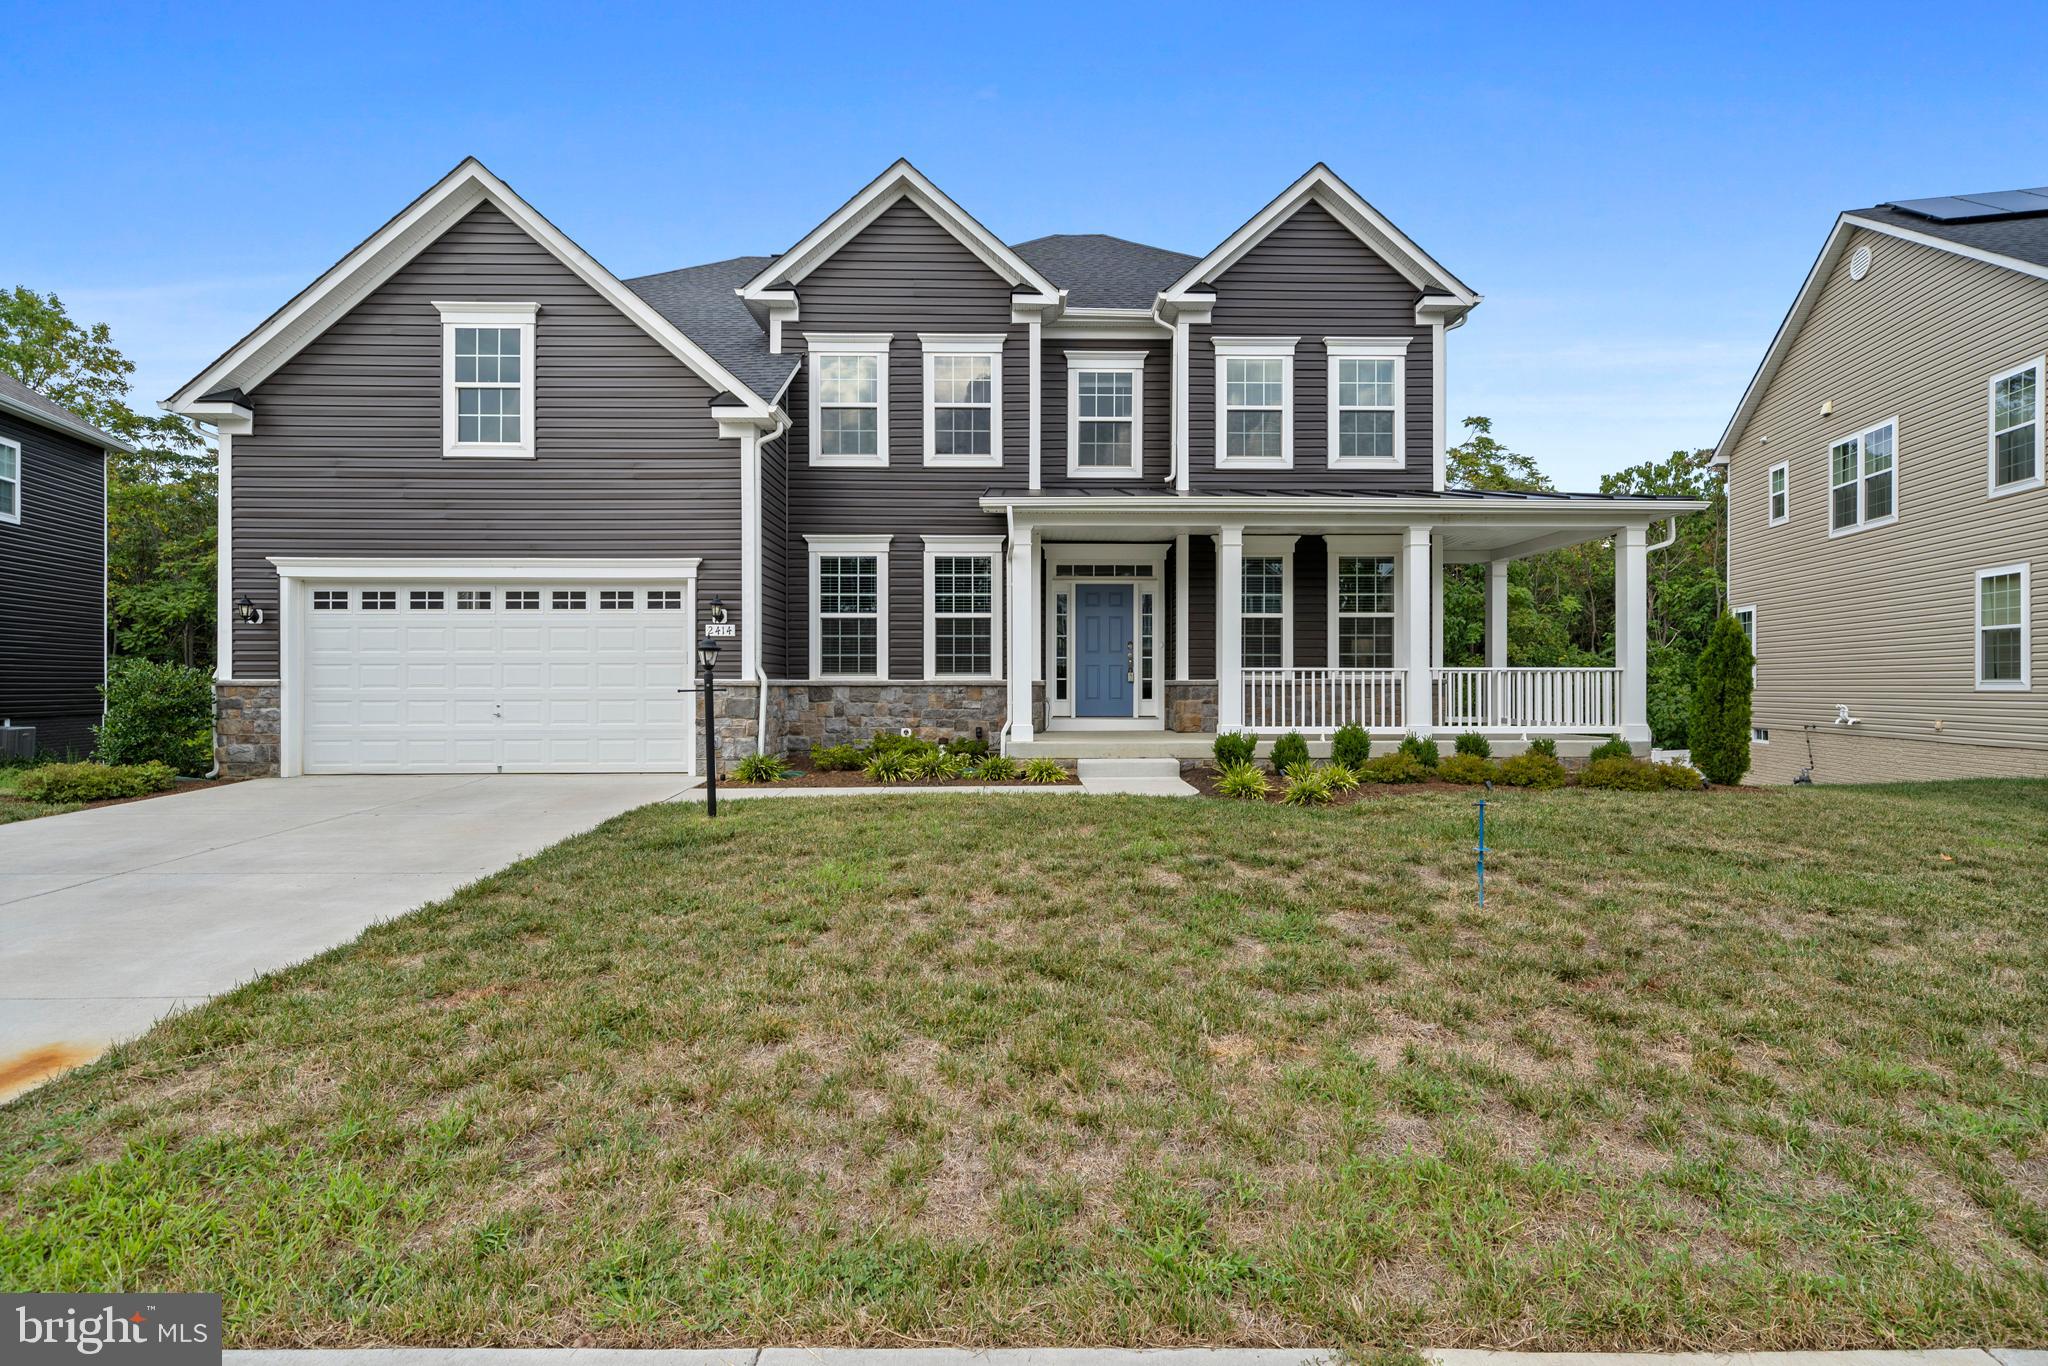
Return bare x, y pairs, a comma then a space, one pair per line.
247, 612
707, 657
718, 611
707, 654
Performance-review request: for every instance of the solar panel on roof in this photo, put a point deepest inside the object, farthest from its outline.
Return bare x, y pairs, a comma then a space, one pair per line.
1964, 208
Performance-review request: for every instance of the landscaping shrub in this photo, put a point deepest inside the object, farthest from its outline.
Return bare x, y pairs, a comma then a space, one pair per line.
1623, 775
1245, 781
759, 768
1613, 747
836, 758
1422, 751
1543, 744
997, 768
936, 766
1466, 768
888, 766
1400, 767
93, 782
1289, 750
1472, 742
1681, 777
1351, 746
1343, 777
156, 712
1044, 771
1307, 785
1719, 729
1533, 769
900, 744
1235, 747
967, 745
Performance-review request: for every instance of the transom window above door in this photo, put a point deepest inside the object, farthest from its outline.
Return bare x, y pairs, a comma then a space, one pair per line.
487, 392
963, 406
1105, 406
849, 409
1863, 480
1255, 401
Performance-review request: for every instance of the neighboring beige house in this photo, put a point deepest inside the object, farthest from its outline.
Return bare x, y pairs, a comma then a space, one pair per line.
1887, 517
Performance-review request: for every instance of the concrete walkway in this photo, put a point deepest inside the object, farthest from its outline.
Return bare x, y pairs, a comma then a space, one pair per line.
1085, 1356
114, 917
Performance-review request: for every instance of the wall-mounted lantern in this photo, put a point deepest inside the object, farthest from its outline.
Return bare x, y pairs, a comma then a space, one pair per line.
247, 612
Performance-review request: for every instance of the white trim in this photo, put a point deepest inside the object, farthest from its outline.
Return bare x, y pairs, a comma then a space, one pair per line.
874, 344
517, 317
938, 344
1439, 407
1249, 348
1395, 349
1336, 548
1863, 523
2039, 365
1033, 358
1151, 556
990, 548
750, 557
224, 559
2025, 682
1750, 611
1783, 470
1131, 363
19, 481
878, 547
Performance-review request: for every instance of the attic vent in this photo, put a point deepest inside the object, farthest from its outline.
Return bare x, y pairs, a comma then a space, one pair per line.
1859, 263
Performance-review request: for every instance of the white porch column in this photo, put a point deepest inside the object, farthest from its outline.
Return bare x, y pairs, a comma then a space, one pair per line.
1417, 708
1632, 629
1230, 629
1497, 614
1183, 582
1436, 603
1023, 631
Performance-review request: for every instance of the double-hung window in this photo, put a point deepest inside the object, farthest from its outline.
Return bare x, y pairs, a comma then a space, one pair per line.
1268, 582
1105, 407
487, 388
1781, 494
963, 617
963, 399
1364, 611
2016, 429
1366, 421
1863, 479
849, 606
1255, 401
2003, 627
849, 398
10, 481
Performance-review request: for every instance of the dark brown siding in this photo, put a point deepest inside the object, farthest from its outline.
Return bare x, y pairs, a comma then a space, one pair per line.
1311, 278
1158, 414
1202, 606
903, 274
346, 454
53, 615
1311, 602
774, 566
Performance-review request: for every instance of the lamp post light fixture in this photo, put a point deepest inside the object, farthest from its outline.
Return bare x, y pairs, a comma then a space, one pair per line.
247, 612
707, 658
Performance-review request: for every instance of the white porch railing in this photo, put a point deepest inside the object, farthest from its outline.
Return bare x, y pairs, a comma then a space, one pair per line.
1528, 699
1280, 700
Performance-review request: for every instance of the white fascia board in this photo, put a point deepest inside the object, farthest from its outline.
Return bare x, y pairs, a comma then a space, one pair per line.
310, 312
1411, 507
498, 569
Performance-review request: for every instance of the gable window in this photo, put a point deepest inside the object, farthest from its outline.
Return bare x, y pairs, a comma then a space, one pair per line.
2003, 627
1255, 401
1268, 585
963, 399
961, 612
1863, 480
1781, 494
2016, 429
1105, 400
849, 398
849, 606
10, 482
1367, 422
487, 389
1365, 611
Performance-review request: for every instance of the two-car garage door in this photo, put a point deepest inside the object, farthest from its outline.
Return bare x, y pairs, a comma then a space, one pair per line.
529, 676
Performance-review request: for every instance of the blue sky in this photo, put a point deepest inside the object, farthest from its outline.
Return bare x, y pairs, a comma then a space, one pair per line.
1637, 190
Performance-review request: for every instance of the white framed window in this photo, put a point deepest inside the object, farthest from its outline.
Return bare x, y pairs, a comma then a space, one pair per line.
1368, 414
849, 397
1268, 602
1745, 617
1105, 414
487, 378
1255, 402
2015, 455
1780, 493
426, 599
849, 607
330, 599
2004, 629
1363, 607
963, 399
10, 481
963, 612
1863, 480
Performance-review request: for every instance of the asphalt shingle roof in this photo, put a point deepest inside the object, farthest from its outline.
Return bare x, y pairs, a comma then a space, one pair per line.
26, 402
1100, 271
701, 302
2022, 238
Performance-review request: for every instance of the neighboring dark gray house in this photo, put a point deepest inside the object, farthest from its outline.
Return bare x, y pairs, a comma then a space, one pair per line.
53, 568
1072, 491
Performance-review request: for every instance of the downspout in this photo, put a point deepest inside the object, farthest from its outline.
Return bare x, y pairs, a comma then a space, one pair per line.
1173, 404
1669, 537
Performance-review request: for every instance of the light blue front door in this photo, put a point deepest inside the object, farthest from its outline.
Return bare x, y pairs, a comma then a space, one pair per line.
1103, 662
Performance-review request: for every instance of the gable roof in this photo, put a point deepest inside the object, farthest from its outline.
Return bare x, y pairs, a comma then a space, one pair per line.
901, 181
1323, 186
1100, 271
310, 312
27, 404
2016, 242
704, 302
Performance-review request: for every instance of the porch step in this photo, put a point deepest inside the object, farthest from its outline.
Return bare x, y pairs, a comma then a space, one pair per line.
1100, 770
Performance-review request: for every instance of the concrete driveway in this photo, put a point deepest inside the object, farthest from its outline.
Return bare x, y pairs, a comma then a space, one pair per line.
112, 918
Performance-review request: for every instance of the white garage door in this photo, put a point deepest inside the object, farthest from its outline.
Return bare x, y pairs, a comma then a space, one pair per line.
496, 677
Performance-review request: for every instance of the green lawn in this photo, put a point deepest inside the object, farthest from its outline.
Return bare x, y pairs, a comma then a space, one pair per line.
1736, 1070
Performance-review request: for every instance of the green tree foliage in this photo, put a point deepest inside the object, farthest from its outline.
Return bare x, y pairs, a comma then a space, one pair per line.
160, 501
1720, 703
157, 713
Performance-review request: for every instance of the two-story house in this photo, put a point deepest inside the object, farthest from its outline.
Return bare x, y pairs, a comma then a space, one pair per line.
478, 494
1886, 501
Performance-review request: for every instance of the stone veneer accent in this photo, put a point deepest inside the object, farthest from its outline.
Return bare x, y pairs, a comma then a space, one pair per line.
1843, 757
739, 717
1191, 707
805, 715
246, 729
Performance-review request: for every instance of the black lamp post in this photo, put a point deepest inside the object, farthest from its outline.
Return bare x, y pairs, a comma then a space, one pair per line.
707, 657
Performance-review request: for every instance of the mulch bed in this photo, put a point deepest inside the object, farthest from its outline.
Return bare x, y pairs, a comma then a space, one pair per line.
1203, 779
853, 777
